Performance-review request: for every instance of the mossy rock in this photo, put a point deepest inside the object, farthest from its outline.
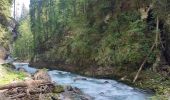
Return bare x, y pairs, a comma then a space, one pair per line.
58, 89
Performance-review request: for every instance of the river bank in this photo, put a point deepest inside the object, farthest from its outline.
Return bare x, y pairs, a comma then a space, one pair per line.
148, 80
8, 75
99, 89
17, 83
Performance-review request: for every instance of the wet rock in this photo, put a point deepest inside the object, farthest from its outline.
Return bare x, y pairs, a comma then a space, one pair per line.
79, 78
106, 82
74, 93
77, 90
69, 95
72, 89
101, 93
21, 69
68, 88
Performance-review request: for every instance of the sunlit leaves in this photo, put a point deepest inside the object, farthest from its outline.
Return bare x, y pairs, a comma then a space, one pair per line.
4, 18
23, 46
90, 31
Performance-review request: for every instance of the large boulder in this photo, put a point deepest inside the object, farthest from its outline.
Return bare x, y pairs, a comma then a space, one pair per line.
42, 75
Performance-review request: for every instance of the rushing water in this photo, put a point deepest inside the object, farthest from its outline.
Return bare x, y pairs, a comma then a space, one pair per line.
100, 89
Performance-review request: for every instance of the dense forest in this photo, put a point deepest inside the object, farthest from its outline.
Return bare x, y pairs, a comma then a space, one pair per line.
100, 38
105, 33
5, 6
5, 34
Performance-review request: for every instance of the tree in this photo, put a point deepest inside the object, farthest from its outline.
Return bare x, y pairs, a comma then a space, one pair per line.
24, 12
4, 18
23, 46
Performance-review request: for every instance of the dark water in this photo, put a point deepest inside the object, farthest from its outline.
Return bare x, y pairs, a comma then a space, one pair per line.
100, 89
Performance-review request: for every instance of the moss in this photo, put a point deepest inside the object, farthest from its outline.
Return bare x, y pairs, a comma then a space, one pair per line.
156, 82
161, 97
9, 65
7, 75
58, 89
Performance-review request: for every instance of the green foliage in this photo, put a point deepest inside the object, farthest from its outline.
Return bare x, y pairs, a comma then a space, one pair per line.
161, 8
4, 37
87, 32
91, 32
155, 81
58, 89
7, 75
23, 46
4, 17
5, 11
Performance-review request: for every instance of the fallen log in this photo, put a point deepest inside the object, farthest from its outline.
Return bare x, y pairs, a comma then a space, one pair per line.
31, 89
27, 89
28, 84
18, 96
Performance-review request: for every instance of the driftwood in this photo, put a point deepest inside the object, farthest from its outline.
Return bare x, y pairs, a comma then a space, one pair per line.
29, 89
22, 89
28, 84
41, 88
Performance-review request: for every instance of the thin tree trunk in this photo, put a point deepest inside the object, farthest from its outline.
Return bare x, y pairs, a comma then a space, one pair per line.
143, 63
157, 32
14, 9
154, 45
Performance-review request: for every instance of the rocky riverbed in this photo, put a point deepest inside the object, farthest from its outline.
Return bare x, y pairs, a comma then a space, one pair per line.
91, 88
39, 86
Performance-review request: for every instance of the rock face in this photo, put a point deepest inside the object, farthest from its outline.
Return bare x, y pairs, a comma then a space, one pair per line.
79, 78
2, 53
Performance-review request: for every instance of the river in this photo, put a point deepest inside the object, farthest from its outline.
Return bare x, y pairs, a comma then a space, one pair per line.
99, 89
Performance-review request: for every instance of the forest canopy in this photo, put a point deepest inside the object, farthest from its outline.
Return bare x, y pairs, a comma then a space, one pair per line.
84, 32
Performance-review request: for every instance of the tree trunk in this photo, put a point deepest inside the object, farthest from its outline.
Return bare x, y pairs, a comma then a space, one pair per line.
157, 32
157, 41
137, 74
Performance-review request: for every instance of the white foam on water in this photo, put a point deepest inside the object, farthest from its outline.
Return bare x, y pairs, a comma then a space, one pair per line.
100, 89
